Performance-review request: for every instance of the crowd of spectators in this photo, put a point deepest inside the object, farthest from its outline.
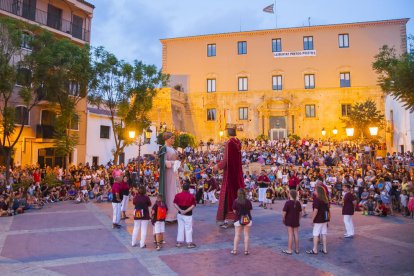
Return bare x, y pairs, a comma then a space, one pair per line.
382, 185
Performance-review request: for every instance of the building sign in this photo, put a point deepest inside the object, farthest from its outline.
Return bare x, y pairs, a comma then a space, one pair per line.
306, 53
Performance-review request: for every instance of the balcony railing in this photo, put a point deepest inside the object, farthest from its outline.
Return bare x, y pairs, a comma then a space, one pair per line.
45, 131
17, 7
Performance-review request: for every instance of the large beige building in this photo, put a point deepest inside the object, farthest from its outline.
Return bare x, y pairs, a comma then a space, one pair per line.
274, 82
69, 19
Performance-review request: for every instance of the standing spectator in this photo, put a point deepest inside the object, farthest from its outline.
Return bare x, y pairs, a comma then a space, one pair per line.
348, 211
263, 181
293, 181
320, 218
124, 197
141, 216
242, 207
159, 214
411, 205
185, 202
116, 202
292, 211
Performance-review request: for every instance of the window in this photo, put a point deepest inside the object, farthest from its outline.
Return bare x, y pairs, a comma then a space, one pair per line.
105, 132
310, 111
308, 43
309, 81
243, 84
29, 9
277, 82
54, 17
211, 85
277, 45
343, 40
21, 115
24, 77
77, 26
242, 47
25, 42
211, 114
74, 123
211, 50
73, 88
243, 113
346, 109
48, 118
345, 79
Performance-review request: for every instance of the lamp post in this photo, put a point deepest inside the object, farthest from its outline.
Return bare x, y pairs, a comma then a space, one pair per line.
323, 132
221, 133
147, 134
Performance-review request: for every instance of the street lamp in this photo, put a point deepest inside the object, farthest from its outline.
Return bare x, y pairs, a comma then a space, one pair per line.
335, 131
131, 134
373, 131
349, 131
323, 132
147, 134
221, 133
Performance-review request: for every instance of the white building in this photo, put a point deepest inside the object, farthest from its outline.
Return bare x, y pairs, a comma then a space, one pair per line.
101, 143
400, 126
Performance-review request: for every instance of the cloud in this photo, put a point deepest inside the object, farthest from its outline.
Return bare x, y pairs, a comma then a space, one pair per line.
131, 29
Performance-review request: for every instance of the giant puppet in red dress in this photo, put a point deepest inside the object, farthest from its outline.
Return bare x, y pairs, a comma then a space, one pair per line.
232, 178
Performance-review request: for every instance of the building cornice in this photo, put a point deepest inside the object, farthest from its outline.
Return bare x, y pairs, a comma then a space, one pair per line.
401, 21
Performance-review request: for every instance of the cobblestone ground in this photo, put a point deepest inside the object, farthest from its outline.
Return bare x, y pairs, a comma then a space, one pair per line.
70, 239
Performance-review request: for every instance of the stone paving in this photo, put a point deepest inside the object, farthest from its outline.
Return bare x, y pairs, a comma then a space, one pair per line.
68, 239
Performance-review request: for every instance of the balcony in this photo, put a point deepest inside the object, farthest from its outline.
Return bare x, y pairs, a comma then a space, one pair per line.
45, 131
52, 20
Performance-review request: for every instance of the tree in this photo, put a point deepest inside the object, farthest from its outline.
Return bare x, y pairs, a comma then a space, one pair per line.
65, 73
362, 116
186, 139
126, 90
396, 73
15, 68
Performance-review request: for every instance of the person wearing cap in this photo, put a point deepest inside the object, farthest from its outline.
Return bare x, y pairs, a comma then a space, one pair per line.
169, 184
232, 178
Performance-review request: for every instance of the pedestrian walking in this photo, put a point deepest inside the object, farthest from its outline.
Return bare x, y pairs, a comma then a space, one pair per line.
185, 202
348, 209
141, 216
292, 211
242, 209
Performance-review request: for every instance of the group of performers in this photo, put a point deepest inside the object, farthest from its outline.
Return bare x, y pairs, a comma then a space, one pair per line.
231, 165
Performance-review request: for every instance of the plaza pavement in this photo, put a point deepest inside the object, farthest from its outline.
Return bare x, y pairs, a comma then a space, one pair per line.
77, 239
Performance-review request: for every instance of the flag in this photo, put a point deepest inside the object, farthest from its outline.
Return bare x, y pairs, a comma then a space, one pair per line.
269, 9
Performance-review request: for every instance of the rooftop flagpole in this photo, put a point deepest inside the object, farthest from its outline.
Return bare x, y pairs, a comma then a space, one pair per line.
275, 10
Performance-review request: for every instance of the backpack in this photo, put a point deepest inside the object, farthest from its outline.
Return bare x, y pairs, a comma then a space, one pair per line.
161, 213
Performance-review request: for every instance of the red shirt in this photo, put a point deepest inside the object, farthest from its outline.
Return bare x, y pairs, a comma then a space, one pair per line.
263, 181
185, 200
36, 177
348, 208
116, 189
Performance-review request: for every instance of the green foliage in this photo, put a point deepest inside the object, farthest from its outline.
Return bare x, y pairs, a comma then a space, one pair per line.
396, 74
262, 137
51, 179
294, 137
362, 116
126, 90
186, 139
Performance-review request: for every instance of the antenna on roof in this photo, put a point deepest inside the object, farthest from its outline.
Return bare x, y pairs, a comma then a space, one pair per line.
309, 23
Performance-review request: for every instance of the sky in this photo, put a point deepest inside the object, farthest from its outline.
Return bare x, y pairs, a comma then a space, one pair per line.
131, 29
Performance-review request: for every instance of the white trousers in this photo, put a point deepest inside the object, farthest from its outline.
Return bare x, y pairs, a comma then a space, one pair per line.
116, 214
124, 203
349, 225
262, 194
185, 228
212, 196
143, 225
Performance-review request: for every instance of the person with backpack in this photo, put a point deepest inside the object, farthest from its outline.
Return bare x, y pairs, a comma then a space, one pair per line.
185, 202
320, 217
241, 208
141, 216
292, 212
159, 214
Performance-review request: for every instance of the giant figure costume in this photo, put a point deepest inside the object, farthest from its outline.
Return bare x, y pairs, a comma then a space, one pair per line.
232, 178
